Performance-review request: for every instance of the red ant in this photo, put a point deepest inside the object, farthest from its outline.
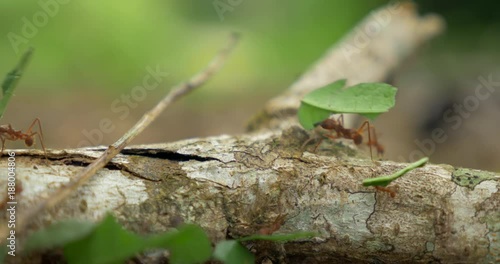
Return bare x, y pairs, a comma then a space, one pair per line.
275, 226
8, 133
349, 133
387, 190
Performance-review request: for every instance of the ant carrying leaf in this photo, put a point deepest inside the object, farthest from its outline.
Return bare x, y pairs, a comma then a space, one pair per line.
356, 135
366, 99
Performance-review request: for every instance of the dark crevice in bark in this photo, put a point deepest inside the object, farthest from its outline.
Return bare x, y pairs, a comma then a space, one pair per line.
166, 154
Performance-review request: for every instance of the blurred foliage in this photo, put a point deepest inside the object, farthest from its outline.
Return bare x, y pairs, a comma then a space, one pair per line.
11, 80
107, 45
109, 242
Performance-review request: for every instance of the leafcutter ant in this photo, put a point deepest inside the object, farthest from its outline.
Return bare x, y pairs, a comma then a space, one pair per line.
391, 192
8, 133
275, 226
356, 135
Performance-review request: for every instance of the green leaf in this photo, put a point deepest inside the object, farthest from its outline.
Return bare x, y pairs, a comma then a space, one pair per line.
279, 237
310, 115
109, 243
11, 80
232, 252
59, 234
366, 99
385, 180
189, 244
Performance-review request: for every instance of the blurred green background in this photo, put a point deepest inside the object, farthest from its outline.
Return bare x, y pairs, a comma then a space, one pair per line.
90, 53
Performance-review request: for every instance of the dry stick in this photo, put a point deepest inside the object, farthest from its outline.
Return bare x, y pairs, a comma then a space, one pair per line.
113, 150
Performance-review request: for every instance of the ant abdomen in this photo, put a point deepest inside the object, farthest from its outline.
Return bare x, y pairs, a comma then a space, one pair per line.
358, 139
29, 142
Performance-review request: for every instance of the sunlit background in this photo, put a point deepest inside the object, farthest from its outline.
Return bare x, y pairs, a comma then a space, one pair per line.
91, 54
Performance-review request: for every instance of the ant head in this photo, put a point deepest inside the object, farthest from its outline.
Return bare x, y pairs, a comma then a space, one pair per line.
29, 141
327, 124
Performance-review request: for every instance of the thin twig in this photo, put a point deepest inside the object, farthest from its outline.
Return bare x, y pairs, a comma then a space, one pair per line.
84, 175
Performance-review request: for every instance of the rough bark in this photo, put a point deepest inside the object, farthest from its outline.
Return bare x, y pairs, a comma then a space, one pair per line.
235, 185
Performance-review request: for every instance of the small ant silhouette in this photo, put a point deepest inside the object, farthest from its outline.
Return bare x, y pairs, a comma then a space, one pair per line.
337, 126
391, 192
8, 133
275, 226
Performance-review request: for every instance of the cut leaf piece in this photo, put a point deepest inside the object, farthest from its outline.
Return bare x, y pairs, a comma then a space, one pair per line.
310, 115
363, 98
385, 180
366, 99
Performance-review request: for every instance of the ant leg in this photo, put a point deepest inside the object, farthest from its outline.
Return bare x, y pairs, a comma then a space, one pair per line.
341, 120
32, 124
41, 142
360, 130
380, 148
312, 137
39, 133
306, 142
317, 145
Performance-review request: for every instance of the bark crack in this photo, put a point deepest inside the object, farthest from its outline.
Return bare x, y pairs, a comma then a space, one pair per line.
166, 154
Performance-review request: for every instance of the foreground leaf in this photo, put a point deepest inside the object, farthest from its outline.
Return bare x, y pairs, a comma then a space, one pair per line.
59, 234
188, 244
109, 243
11, 80
232, 252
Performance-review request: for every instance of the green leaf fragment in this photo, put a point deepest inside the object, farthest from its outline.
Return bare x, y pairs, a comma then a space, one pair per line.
109, 243
232, 252
385, 180
310, 115
361, 98
59, 234
189, 244
12, 78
